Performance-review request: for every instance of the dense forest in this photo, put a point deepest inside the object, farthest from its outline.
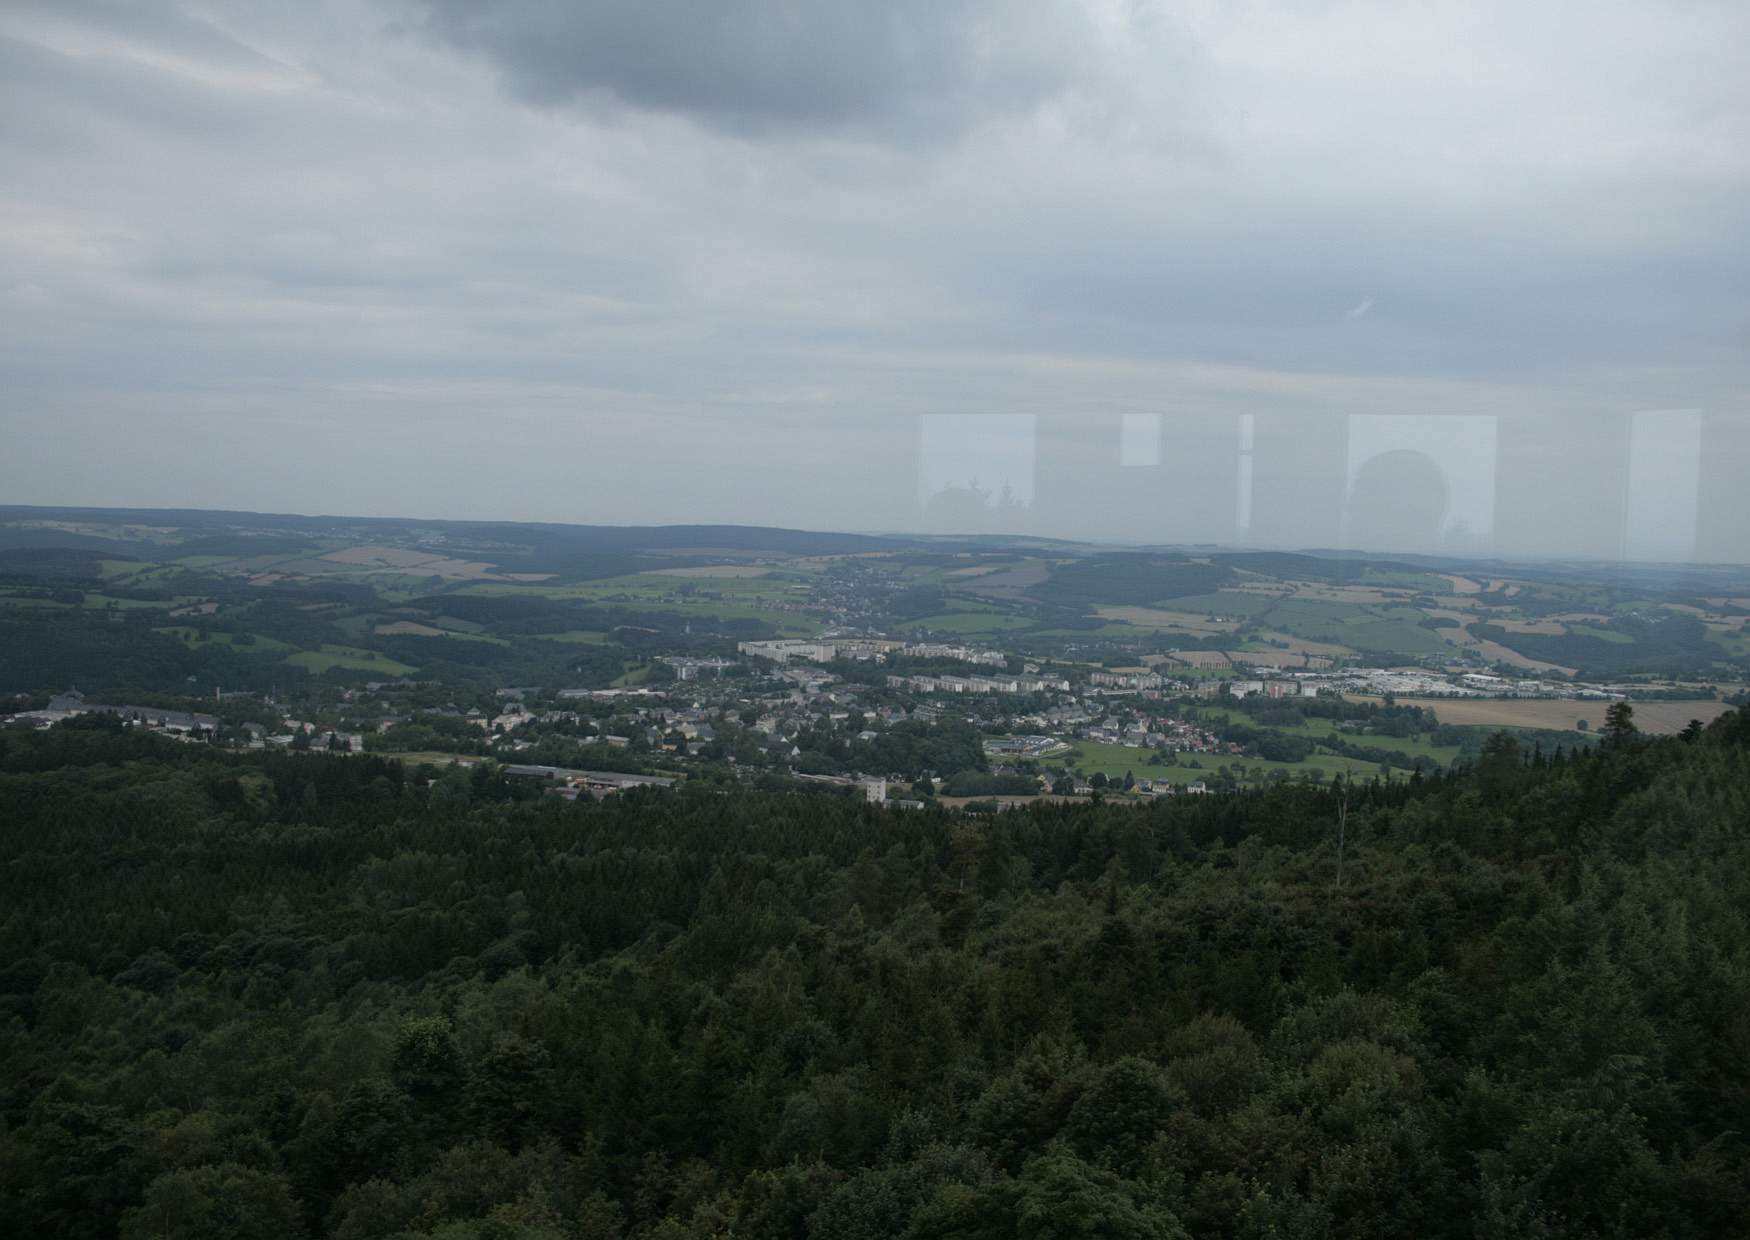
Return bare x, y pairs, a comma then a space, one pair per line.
288, 995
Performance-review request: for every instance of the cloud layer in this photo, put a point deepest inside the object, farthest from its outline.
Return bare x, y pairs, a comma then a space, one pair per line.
772, 66
427, 256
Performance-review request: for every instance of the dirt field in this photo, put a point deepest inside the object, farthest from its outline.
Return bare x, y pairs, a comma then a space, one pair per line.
1285, 660
1282, 658
1462, 585
1659, 717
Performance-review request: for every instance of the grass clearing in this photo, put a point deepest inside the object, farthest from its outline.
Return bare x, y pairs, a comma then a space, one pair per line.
1226, 603
107, 602
111, 569
1318, 729
635, 674
970, 622
350, 658
1168, 621
1609, 635
192, 638
18, 600
1101, 757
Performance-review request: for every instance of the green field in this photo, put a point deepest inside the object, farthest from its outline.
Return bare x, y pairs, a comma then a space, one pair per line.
1394, 629
105, 602
577, 637
191, 637
16, 600
350, 657
1116, 760
654, 587
666, 602
1318, 729
119, 568
1222, 603
633, 675
1592, 630
1427, 582
971, 622
1115, 628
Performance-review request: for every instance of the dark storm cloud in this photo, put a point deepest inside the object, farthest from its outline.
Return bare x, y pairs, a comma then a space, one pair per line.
897, 67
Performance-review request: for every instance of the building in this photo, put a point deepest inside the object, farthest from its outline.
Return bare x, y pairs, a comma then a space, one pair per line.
694, 669
824, 650
962, 654
596, 783
1127, 680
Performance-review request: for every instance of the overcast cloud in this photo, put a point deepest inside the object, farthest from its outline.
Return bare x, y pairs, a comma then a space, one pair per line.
715, 259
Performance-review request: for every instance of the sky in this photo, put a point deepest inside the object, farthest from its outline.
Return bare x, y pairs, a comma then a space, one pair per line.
1294, 273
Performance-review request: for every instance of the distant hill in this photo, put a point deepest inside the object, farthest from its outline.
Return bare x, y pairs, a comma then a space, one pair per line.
540, 540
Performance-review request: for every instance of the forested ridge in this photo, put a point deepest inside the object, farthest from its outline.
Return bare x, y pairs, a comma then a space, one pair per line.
290, 995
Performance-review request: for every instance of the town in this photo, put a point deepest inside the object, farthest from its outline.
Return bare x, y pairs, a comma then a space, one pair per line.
832, 713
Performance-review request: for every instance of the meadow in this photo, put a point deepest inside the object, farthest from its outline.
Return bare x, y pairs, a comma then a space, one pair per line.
1114, 761
349, 657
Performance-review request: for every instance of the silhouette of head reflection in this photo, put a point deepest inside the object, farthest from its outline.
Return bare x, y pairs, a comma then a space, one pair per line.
1399, 500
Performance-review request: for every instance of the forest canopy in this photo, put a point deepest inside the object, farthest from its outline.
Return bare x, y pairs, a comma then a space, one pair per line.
301, 995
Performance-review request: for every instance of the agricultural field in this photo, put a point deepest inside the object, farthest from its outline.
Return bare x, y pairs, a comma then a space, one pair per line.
1259, 655
1560, 715
1091, 757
